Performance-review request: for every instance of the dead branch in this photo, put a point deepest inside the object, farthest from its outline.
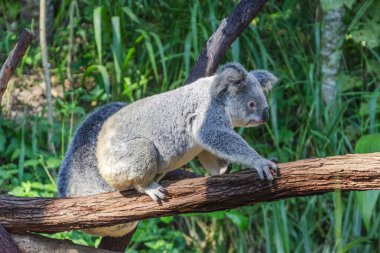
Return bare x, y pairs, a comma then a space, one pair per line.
14, 58
219, 42
205, 194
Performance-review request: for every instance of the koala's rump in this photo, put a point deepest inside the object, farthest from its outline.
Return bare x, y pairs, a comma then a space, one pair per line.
79, 175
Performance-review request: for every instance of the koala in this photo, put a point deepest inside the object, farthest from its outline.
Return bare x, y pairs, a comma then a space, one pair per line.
122, 146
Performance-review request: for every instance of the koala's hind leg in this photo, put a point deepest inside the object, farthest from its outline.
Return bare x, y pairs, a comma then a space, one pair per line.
131, 164
213, 164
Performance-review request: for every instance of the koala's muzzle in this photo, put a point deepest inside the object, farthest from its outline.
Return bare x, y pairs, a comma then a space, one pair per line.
265, 115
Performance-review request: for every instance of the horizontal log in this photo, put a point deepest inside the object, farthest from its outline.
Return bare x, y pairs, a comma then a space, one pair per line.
204, 194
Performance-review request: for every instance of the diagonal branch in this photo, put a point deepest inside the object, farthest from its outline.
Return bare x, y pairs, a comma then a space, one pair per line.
205, 194
14, 59
228, 30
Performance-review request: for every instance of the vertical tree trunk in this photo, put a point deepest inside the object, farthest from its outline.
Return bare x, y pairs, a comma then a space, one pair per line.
333, 30
45, 64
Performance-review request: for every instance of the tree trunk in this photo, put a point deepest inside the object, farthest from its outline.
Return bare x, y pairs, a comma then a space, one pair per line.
45, 64
204, 194
331, 51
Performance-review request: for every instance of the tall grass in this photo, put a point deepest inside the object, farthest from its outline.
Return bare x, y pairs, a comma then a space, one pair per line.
132, 49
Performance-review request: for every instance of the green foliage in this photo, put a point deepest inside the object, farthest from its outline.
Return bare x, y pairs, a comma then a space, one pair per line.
127, 50
365, 28
367, 200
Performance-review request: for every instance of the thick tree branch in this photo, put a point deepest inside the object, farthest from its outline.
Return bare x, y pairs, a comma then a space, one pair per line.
228, 30
205, 194
116, 244
14, 59
7, 244
39, 244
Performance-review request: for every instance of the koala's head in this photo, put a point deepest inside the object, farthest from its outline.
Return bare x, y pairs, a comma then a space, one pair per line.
242, 93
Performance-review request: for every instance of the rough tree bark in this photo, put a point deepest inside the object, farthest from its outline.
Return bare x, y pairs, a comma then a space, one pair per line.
205, 194
14, 59
40, 244
7, 244
219, 42
331, 51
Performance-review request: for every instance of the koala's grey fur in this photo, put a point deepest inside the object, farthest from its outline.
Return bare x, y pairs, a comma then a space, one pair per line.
118, 146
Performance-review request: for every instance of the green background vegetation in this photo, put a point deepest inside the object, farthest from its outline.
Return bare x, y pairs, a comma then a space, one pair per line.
127, 50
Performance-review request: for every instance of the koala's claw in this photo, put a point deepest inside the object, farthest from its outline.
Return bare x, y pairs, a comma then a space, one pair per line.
155, 191
274, 159
265, 167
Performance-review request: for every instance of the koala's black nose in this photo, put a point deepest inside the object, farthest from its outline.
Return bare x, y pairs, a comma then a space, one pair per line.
265, 116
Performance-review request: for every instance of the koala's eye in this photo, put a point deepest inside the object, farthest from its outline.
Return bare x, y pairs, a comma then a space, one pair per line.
251, 104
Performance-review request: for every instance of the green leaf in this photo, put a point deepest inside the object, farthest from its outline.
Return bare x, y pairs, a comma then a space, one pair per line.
238, 219
167, 220
32, 163
131, 14
367, 202
149, 48
105, 76
219, 215
353, 243
367, 199
53, 163
117, 50
368, 143
98, 31
348, 82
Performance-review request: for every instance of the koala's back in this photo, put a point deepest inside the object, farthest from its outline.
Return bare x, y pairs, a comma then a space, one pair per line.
79, 174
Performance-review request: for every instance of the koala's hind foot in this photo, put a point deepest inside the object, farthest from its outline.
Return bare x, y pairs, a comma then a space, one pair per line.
154, 190
265, 167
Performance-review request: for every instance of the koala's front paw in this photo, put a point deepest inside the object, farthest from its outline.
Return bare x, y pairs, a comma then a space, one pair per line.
264, 166
154, 190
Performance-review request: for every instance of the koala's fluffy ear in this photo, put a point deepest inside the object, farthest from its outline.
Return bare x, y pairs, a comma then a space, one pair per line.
266, 79
228, 77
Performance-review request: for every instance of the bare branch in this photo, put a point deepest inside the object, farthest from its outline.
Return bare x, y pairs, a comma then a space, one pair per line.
14, 59
7, 244
228, 30
205, 194
39, 244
